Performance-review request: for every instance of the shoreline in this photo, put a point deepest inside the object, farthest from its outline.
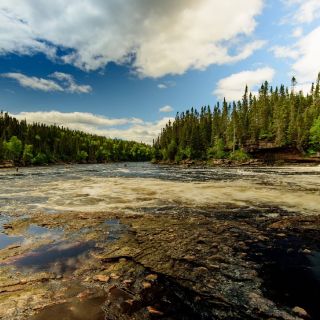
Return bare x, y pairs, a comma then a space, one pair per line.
237, 163
225, 163
13, 166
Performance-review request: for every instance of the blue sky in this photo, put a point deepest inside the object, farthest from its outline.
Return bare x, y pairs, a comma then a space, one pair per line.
122, 68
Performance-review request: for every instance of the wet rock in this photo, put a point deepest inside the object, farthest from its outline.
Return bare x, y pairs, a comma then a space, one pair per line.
127, 282
146, 285
101, 277
151, 277
154, 311
189, 258
300, 312
190, 266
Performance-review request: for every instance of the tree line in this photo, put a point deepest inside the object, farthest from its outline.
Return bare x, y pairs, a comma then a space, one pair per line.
38, 143
280, 116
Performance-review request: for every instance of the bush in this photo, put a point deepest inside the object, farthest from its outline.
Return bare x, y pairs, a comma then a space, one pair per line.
82, 155
40, 158
27, 153
217, 151
315, 135
239, 155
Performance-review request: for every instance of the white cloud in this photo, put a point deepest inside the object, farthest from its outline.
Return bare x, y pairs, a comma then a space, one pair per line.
297, 32
232, 87
66, 82
285, 52
304, 87
70, 84
155, 37
305, 53
34, 82
166, 109
123, 128
304, 11
166, 84
307, 65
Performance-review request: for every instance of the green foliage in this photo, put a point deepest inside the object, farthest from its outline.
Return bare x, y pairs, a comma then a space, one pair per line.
27, 154
277, 116
217, 151
39, 144
171, 151
82, 155
239, 155
13, 148
315, 134
39, 159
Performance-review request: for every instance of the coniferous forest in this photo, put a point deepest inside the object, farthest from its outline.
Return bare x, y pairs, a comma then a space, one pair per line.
37, 144
278, 117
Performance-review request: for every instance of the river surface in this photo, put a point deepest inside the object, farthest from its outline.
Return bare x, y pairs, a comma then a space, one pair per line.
289, 264
136, 187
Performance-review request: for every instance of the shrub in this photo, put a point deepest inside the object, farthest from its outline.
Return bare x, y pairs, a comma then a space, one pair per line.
239, 155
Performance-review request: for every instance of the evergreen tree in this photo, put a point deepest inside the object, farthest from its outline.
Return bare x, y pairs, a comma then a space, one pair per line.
39, 144
280, 117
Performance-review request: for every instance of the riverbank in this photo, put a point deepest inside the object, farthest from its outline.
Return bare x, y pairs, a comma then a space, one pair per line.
12, 165
220, 262
312, 161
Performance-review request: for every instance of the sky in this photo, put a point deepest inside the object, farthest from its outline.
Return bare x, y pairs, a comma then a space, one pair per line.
123, 68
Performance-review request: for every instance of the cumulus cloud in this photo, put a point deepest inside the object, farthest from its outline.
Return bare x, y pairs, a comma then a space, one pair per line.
305, 53
122, 128
166, 109
304, 11
155, 37
66, 82
307, 64
232, 87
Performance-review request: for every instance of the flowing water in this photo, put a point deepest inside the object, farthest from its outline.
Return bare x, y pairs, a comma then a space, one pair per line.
143, 187
132, 187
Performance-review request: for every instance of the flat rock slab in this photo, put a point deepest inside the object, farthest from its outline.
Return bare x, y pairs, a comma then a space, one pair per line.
170, 266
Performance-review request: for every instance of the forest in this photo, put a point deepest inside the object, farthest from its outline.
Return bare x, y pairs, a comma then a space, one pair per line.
280, 116
36, 144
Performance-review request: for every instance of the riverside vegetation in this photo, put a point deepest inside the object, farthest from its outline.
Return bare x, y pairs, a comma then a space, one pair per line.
277, 117
37, 144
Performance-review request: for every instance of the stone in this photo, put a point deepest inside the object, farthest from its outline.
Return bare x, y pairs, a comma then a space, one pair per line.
300, 312
114, 276
146, 285
101, 277
154, 311
83, 294
201, 270
189, 258
151, 277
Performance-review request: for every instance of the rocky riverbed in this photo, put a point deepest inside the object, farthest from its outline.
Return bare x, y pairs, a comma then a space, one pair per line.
204, 263
140, 241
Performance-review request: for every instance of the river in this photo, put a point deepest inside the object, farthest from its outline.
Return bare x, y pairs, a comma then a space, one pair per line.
137, 239
135, 187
